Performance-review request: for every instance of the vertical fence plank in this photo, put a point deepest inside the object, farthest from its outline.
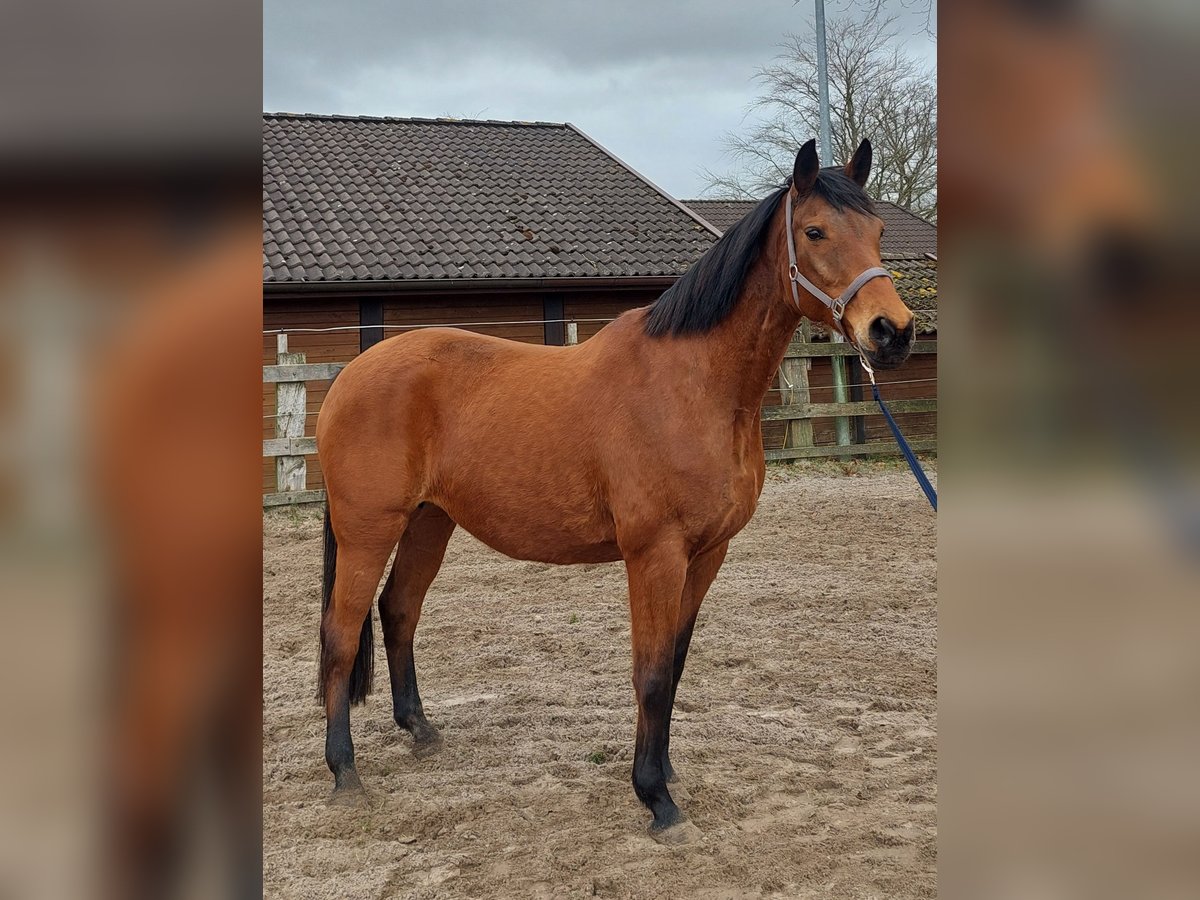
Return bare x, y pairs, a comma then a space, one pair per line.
793, 384
856, 396
290, 413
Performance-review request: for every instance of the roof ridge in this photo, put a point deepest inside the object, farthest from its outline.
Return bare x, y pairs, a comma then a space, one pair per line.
691, 214
440, 120
908, 212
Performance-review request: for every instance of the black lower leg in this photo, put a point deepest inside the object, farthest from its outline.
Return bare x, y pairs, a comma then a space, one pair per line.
406, 699
649, 776
339, 749
682, 642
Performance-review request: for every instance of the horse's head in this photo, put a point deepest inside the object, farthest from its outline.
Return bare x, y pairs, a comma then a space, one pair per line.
836, 239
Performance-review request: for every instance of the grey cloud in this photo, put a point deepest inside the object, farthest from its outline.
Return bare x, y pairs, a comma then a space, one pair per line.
656, 81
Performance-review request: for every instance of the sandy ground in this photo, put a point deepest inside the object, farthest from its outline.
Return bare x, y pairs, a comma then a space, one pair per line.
804, 731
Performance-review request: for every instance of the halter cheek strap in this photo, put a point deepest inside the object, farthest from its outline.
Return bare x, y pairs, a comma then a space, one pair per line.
836, 306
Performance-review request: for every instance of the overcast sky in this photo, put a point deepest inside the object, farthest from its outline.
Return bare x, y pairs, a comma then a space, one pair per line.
657, 82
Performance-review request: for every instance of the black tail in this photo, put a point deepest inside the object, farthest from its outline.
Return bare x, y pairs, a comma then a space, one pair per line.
363, 673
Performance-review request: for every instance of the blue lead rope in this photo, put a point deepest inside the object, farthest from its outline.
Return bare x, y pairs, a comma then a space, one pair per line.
922, 480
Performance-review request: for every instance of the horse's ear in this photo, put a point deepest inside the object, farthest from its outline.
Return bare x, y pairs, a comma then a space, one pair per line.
804, 173
859, 167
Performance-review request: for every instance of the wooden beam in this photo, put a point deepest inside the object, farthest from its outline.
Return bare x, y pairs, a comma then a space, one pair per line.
553, 308
294, 446
290, 498
370, 312
878, 448
805, 350
859, 408
306, 372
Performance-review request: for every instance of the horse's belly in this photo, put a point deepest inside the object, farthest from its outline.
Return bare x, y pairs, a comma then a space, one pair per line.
545, 544
534, 525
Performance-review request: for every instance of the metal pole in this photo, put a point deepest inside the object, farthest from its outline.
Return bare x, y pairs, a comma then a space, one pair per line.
825, 140
837, 363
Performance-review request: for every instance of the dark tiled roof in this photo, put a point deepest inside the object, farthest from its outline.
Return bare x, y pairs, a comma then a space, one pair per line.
916, 283
905, 235
374, 199
721, 213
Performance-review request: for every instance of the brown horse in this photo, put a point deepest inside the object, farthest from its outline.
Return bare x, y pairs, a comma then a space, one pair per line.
643, 444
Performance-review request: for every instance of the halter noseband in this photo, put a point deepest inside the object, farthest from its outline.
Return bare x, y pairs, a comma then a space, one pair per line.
838, 306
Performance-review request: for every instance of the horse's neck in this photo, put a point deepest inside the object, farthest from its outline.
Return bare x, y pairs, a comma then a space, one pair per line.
747, 348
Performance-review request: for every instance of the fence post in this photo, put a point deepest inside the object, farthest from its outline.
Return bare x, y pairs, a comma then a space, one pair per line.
841, 424
290, 414
856, 396
793, 390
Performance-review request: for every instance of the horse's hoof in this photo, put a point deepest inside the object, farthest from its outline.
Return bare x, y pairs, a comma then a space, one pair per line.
353, 797
427, 745
678, 834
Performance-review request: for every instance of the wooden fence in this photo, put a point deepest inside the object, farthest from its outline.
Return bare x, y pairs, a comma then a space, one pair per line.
290, 445
798, 410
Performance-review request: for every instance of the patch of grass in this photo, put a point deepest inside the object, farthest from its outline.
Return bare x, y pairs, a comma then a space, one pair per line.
574, 620
597, 757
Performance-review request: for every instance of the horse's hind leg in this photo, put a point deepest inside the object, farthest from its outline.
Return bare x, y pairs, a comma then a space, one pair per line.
422, 549
361, 555
700, 575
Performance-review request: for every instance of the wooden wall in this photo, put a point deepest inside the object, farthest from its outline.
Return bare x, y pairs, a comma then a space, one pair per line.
524, 311
602, 306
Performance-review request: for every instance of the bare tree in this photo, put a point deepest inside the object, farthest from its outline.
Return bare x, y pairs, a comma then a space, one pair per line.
876, 91
874, 10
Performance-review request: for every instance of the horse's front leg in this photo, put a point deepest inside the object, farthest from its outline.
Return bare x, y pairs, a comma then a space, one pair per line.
656, 577
700, 575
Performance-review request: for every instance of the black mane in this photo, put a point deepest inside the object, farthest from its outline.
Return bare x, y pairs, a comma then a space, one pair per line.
706, 293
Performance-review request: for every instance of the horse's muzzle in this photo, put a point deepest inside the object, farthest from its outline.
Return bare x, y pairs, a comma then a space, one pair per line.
892, 344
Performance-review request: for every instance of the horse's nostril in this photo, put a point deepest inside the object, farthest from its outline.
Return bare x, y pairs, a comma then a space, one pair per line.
887, 337
882, 332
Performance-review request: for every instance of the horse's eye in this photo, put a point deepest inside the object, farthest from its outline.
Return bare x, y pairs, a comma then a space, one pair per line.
814, 234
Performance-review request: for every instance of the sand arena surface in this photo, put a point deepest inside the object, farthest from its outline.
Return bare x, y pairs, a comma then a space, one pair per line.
804, 731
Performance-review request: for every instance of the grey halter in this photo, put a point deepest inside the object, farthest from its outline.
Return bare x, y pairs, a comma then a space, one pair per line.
838, 306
